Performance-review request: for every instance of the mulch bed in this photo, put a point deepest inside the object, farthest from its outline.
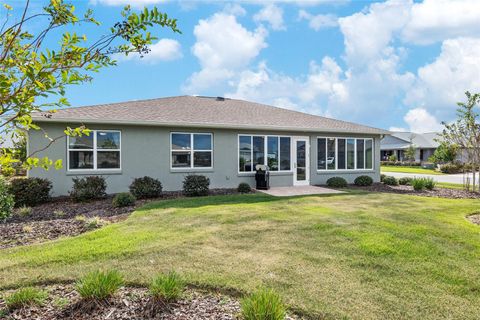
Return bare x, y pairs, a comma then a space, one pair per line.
474, 218
56, 219
129, 303
437, 192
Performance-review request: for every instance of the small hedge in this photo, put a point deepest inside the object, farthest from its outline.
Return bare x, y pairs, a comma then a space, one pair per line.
391, 181
451, 168
196, 185
405, 181
363, 181
382, 176
401, 163
88, 188
244, 187
123, 199
146, 187
30, 191
337, 182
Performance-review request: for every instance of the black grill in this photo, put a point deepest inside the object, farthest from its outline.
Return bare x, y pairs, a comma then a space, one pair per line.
262, 177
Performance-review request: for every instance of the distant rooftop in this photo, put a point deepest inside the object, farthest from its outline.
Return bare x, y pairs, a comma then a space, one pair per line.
403, 140
208, 112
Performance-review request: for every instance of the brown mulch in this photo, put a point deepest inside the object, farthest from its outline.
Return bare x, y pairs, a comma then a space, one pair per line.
129, 303
474, 218
56, 219
437, 192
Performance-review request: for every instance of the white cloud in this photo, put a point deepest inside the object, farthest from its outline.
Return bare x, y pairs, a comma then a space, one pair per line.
234, 9
320, 21
443, 82
420, 121
163, 50
271, 14
435, 20
223, 46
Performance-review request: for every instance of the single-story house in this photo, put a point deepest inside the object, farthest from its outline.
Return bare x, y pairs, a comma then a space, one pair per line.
223, 139
398, 142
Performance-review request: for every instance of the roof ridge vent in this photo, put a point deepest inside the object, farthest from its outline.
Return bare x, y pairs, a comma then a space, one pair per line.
220, 99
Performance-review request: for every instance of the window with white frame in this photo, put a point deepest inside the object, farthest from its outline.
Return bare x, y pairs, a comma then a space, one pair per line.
100, 150
273, 151
344, 153
191, 150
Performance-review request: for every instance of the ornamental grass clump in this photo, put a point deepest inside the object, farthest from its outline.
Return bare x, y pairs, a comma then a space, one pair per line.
167, 287
264, 304
25, 297
98, 285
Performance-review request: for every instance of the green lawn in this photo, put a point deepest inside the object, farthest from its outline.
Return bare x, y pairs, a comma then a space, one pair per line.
449, 185
351, 256
416, 170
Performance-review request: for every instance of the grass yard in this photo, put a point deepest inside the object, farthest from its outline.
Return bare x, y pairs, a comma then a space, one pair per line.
351, 256
416, 170
449, 185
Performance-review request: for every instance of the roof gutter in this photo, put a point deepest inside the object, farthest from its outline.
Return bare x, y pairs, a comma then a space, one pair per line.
201, 125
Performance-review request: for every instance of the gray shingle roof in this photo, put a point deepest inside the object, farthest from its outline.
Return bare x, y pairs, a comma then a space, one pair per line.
420, 140
192, 111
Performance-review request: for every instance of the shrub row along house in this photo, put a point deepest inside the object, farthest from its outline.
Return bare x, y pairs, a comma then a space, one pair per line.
223, 139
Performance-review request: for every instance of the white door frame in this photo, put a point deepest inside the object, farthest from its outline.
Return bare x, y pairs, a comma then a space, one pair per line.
305, 182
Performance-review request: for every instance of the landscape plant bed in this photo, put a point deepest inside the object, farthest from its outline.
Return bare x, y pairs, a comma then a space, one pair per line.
58, 218
63, 302
404, 189
474, 218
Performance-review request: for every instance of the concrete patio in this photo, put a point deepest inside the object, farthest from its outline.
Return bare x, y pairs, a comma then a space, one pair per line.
299, 191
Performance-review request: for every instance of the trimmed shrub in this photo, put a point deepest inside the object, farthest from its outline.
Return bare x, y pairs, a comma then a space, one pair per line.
263, 305
401, 163
405, 181
123, 199
418, 184
146, 187
382, 176
244, 187
195, 185
98, 285
167, 287
337, 182
25, 297
363, 181
391, 181
88, 188
6, 201
30, 191
451, 168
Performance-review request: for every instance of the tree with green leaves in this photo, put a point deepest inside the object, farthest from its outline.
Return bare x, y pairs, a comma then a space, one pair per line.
444, 153
409, 153
31, 73
465, 133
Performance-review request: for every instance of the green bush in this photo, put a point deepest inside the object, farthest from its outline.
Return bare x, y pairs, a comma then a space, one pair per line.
25, 297
195, 185
167, 287
429, 183
391, 181
363, 181
6, 201
418, 184
146, 187
382, 176
451, 168
98, 285
404, 181
263, 305
401, 163
244, 187
123, 199
88, 188
30, 191
337, 182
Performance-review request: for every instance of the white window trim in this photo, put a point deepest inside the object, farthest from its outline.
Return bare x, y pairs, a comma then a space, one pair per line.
346, 154
265, 150
94, 150
191, 151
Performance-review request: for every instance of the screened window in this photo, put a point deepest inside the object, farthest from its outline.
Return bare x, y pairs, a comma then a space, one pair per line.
344, 153
99, 150
191, 150
273, 151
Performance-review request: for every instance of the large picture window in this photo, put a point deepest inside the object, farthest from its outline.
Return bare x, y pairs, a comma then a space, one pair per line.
344, 154
191, 150
273, 151
100, 150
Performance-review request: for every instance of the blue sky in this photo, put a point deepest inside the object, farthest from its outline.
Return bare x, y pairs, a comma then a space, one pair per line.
395, 64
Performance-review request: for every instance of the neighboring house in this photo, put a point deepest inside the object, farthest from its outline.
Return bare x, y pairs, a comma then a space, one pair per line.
223, 139
398, 142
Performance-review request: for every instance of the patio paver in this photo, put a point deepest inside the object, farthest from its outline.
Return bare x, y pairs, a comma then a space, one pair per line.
299, 191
